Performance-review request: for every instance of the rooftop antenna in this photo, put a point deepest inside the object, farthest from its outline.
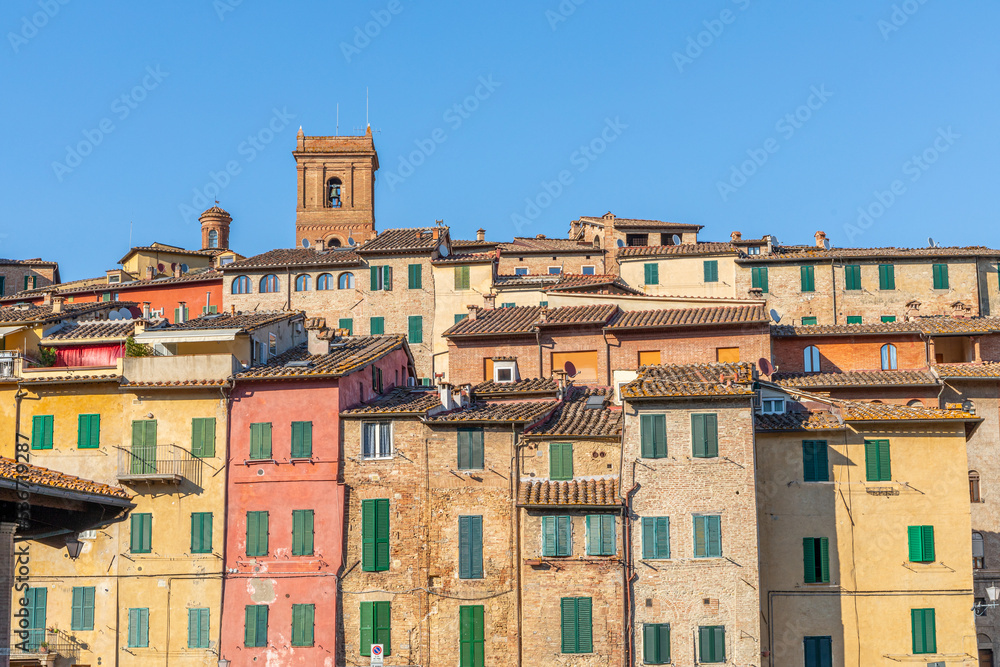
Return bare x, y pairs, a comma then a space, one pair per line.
367, 124
130, 222
338, 119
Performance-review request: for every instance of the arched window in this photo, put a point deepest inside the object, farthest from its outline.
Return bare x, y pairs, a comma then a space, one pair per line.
269, 283
888, 357
333, 186
978, 551
302, 283
213, 238
324, 282
974, 495
597, 241
346, 280
810, 359
333, 242
241, 285
915, 403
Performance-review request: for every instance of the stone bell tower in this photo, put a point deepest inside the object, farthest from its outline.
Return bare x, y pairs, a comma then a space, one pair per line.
336, 190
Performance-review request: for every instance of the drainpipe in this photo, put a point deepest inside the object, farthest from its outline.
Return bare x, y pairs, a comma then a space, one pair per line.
541, 365
833, 283
227, 395
515, 480
288, 288
627, 634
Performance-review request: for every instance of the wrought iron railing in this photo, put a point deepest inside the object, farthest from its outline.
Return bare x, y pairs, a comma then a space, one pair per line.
7, 363
152, 463
42, 641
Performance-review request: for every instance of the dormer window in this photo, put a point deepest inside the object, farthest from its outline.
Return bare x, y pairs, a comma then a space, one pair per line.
753, 250
333, 188
772, 406
505, 372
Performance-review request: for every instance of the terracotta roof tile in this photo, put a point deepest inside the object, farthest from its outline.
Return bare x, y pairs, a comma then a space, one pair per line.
591, 314
415, 239
32, 474
573, 419
37, 261
691, 380
926, 325
99, 330
461, 243
798, 421
972, 370
399, 401
465, 258
585, 492
702, 248
526, 386
356, 352
637, 222
865, 411
521, 412
855, 379
69, 378
284, 257
248, 321
172, 384
688, 317
525, 245
520, 320
807, 252
32, 314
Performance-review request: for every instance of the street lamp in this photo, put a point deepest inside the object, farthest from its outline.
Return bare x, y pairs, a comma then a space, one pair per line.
223, 662
992, 592
73, 546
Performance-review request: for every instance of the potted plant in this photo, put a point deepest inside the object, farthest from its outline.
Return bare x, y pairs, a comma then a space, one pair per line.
43, 647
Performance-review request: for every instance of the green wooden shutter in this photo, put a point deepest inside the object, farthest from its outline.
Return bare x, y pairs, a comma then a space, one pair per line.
561, 460
303, 616
255, 625
461, 277
650, 648
301, 440
201, 532
346, 323
646, 435
367, 627
608, 541
416, 329
871, 460
924, 631
705, 435
138, 628
383, 626
855, 319
564, 536
824, 559
593, 537
387, 278
460, 316
700, 537
464, 437
368, 535
852, 277
302, 532
927, 542
470, 547
257, 533
653, 434
548, 536
140, 536
714, 525
381, 534
940, 276
260, 441
375, 272
809, 560
652, 274
886, 277
648, 537
758, 278
884, 465
915, 544
41, 431
477, 457
471, 636
570, 625
376, 326
711, 271
203, 436
663, 537
808, 278
415, 276
83, 608
815, 461
585, 636
88, 432
198, 628
808, 461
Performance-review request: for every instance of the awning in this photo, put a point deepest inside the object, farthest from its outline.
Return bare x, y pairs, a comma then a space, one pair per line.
188, 336
6, 331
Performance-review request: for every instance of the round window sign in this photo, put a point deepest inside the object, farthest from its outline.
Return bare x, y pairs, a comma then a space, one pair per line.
376, 649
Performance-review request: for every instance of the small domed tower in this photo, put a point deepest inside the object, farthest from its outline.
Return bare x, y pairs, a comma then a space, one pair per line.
215, 228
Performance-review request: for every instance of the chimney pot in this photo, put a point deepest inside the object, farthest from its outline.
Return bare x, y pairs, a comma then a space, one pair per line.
820, 237
435, 233
473, 312
480, 234
57, 304
177, 270
319, 245
149, 273
47, 299
736, 236
490, 300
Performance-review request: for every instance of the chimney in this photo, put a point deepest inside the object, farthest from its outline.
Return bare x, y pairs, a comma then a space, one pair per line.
57, 304
149, 273
574, 229
435, 233
473, 312
316, 340
491, 301
444, 391
480, 234
140, 327
177, 270
820, 237
319, 246
47, 299
543, 315
736, 236
468, 397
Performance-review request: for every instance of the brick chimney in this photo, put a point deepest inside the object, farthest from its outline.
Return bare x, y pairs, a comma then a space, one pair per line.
47, 299
490, 300
435, 233
736, 236
319, 246
317, 336
140, 327
177, 271
820, 237
57, 304
543, 315
473, 312
480, 234
149, 273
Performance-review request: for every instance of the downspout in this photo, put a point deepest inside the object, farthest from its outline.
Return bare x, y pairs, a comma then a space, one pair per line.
288, 288
515, 480
627, 634
833, 282
979, 291
538, 339
227, 396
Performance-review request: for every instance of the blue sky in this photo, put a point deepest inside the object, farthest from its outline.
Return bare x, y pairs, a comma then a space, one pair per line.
782, 118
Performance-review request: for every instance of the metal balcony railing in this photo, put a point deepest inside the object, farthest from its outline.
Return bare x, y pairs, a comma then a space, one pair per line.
42, 642
7, 363
165, 463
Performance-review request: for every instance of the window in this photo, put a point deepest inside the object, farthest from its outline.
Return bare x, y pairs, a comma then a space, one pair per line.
854, 319
940, 272
346, 323
758, 278
181, 313
519, 271
810, 359
345, 280
302, 440
711, 270
808, 278
543, 304
201, 532
302, 532
333, 193
978, 551
808, 321
888, 318
138, 628
772, 406
653, 436
888, 357
269, 283
210, 310
878, 467
504, 371
471, 636
555, 270
141, 533
561, 460
41, 431
3, 285
414, 276
241, 285
656, 643
470, 449
255, 626
727, 355
707, 536
460, 316
415, 329
203, 437
655, 537
88, 431
816, 560
818, 651
198, 628
577, 630
924, 636
302, 283
649, 358
325, 282
753, 250
143, 453
974, 495
470, 547
258, 530
601, 535
37, 602
557, 536
30, 282
886, 277
376, 440
920, 540
83, 608
852, 276
815, 461
705, 436
462, 277
587, 270
375, 535
633, 240
303, 623
652, 273
376, 627
712, 643
508, 305
381, 278
260, 441
213, 238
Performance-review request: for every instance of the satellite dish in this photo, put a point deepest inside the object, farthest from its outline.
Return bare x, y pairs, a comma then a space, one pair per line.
570, 369
826, 244
305, 243
621, 244
113, 315
676, 239
775, 316
184, 268
765, 366
350, 241
930, 242
443, 250
774, 240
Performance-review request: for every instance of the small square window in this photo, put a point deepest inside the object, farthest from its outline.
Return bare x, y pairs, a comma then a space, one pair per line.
772, 406
555, 270
376, 440
521, 271
505, 371
587, 270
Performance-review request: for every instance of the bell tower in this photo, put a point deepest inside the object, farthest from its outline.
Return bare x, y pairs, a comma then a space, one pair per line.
336, 190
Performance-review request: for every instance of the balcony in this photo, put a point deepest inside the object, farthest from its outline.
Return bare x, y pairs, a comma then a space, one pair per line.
166, 464
43, 647
8, 361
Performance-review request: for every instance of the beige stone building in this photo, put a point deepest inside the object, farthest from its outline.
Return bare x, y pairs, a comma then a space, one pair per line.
18, 275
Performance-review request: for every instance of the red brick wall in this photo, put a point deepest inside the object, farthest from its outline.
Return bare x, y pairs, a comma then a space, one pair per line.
539, 264
848, 353
687, 347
